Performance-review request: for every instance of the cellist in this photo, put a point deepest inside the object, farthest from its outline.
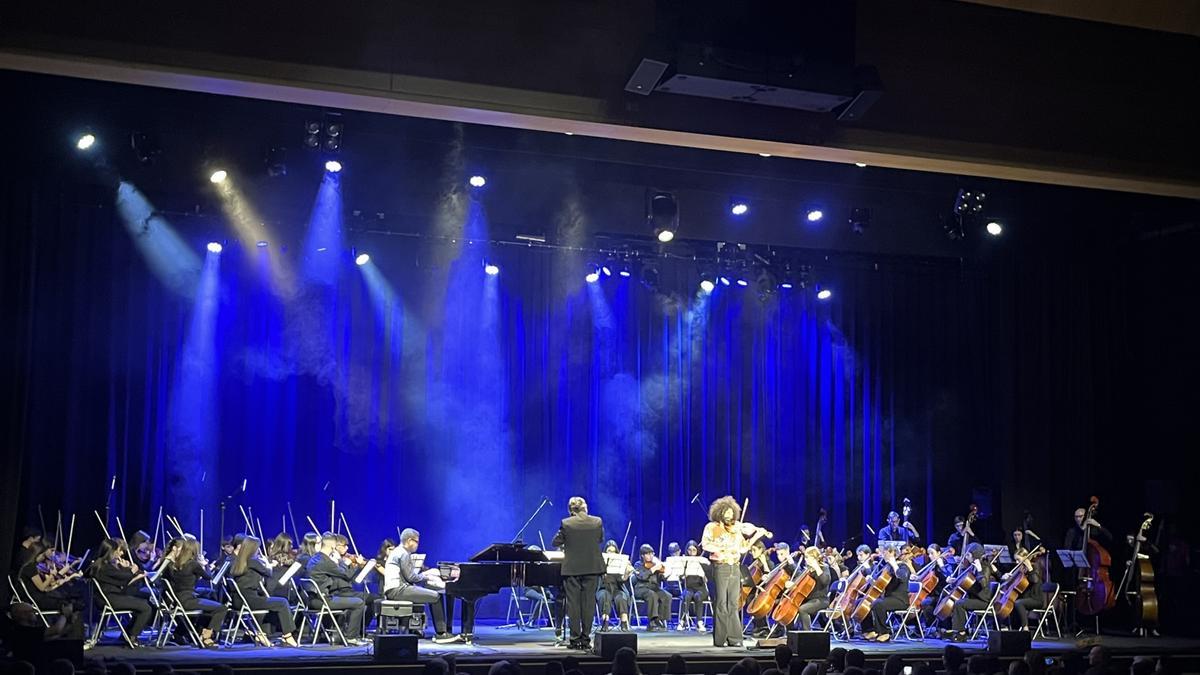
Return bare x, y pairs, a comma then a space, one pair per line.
978, 595
1032, 597
895, 596
818, 598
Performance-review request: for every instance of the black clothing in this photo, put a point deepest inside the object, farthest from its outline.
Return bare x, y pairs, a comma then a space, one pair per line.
121, 591
183, 582
613, 590
579, 537
1073, 540
898, 533
329, 574
955, 542
250, 583
695, 594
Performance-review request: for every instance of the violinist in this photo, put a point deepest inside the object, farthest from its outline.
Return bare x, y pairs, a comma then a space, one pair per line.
308, 548
695, 585
672, 583
46, 583
1033, 597
648, 577
1075, 539
184, 567
895, 595
895, 531
24, 554
120, 578
613, 591
725, 542
818, 598
978, 595
281, 555
374, 581
354, 564
327, 569
250, 571
144, 552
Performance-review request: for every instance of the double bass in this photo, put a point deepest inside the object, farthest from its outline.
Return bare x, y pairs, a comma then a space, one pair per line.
1142, 597
1096, 593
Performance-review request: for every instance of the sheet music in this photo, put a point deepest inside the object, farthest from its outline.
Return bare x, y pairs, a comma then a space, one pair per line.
362, 576
554, 556
291, 572
418, 561
695, 566
617, 563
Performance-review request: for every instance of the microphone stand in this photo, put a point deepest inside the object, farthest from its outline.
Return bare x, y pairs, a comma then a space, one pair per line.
517, 536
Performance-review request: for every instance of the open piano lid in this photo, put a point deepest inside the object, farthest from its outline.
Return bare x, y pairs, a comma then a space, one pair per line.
509, 552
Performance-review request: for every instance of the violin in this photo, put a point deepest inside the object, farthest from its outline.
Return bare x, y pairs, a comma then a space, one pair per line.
654, 565
1096, 592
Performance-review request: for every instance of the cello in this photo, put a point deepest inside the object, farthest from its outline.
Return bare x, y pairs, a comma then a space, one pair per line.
927, 578
1010, 591
1096, 593
878, 584
772, 588
957, 587
803, 583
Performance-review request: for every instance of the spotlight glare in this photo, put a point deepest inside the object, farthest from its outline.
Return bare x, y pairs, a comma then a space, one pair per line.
606, 271
665, 236
625, 272
724, 281
214, 247
739, 208
815, 215
261, 244
491, 269
362, 259
786, 285
333, 166
218, 176
477, 181
592, 277
861, 165
707, 286
85, 141
743, 283
824, 294
994, 228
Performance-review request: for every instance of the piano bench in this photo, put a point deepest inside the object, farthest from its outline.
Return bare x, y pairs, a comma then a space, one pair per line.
395, 608
400, 616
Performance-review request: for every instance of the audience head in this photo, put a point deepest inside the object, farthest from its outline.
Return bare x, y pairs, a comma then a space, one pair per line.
856, 658
554, 668
814, 668
978, 665
675, 665
952, 658
436, 666
504, 668
783, 656
1018, 668
894, 665
751, 665
61, 667
837, 659
1099, 656
625, 662
1036, 662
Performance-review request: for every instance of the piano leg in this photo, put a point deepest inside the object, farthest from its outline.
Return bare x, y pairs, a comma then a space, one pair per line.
468, 615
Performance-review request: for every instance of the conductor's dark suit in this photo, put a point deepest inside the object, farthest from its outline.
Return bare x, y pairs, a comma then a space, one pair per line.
579, 539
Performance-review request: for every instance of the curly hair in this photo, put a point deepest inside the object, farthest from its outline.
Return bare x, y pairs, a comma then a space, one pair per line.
718, 507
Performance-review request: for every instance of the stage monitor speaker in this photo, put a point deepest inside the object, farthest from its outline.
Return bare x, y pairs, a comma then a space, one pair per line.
396, 648
607, 644
1008, 642
809, 644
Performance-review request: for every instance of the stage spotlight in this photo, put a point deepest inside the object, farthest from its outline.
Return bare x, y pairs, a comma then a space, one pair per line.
362, 259
860, 219
994, 228
662, 214
786, 285
312, 134
333, 166
85, 141
650, 277
824, 293
215, 247
592, 277
607, 268
218, 176
625, 270
742, 282
815, 215
491, 269
707, 285
261, 244
146, 147
861, 165
723, 279
739, 207
275, 160
477, 181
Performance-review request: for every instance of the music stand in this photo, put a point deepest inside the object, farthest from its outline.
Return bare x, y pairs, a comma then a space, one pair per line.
616, 563
1000, 551
1072, 558
675, 565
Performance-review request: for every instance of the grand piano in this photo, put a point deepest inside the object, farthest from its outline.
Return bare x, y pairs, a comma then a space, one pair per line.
508, 565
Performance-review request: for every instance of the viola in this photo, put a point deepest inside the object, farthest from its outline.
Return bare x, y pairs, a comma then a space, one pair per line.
879, 582
1096, 592
1010, 591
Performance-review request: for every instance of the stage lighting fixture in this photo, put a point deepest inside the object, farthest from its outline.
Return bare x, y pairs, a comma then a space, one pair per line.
491, 269
362, 259
607, 268
786, 285
592, 277
861, 165
662, 214
814, 215
969, 202
707, 285
333, 166
625, 270
477, 181
742, 282
739, 207
85, 142
261, 244
214, 247
312, 134
994, 228
146, 147
218, 176
650, 277
275, 159
824, 293
860, 219
723, 279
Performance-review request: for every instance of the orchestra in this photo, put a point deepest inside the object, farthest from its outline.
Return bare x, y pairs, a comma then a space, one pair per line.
735, 582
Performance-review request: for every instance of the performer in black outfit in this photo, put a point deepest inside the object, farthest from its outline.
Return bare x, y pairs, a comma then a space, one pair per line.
579, 539
895, 597
978, 596
1073, 540
818, 599
120, 579
895, 531
614, 590
695, 587
961, 531
250, 572
337, 584
648, 577
185, 565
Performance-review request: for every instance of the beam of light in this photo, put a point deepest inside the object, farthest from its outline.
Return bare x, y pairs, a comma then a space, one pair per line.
592, 277
215, 247
85, 142
324, 240
739, 208
218, 177
333, 166
250, 230
362, 259
491, 269
172, 260
707, 286
193, 422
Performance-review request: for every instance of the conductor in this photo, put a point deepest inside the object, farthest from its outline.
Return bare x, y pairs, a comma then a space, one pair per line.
579, 539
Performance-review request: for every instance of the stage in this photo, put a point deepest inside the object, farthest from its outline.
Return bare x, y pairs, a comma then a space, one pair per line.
534, 647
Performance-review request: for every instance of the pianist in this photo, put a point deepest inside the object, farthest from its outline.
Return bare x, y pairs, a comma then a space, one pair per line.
401, 581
